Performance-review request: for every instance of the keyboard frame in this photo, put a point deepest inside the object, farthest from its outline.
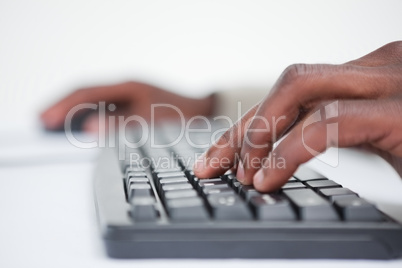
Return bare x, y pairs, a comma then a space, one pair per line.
125, 238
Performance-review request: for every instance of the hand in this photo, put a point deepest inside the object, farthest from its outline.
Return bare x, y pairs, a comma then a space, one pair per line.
367, 109
131, 98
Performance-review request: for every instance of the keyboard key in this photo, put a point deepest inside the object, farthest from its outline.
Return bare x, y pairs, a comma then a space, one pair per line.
217, 191
304, 173
170, 174
166, 181
228, 178
318, 184
143, 209
210, 181
311, 206
203, 184
171, 169
336, 193
231, 179
176, 186
272, 207
236, 185
206, 183
140, 190
228, 207
129, 168
172, 180
357, 209
185, 209
228, 172
194, 180
248, 191
136, 174
137, 180
180, 194
293, 185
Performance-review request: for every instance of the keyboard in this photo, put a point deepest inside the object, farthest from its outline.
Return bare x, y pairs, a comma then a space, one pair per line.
151, 205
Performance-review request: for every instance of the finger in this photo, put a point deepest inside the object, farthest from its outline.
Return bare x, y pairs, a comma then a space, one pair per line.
299, 88
54, 116
357, 122
225, 150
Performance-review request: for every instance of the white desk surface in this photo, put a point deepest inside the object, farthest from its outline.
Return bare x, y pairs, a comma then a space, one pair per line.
48, 214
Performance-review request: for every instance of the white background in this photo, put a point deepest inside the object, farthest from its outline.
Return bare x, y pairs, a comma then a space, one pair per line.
48, 48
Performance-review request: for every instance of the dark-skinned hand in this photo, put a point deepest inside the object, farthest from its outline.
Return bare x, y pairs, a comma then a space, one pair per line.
130, 98
363, 97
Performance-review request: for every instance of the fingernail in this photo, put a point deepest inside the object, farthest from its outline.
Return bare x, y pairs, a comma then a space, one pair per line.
200, 163
259, 177
240, 171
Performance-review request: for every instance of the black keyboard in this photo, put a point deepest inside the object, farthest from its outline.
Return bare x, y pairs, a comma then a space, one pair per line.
151, 205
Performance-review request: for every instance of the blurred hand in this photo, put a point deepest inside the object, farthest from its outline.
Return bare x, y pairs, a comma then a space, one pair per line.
131, 98
368, 112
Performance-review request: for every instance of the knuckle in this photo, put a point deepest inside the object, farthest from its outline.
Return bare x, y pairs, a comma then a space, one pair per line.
394, 47
293, 78
295, 72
